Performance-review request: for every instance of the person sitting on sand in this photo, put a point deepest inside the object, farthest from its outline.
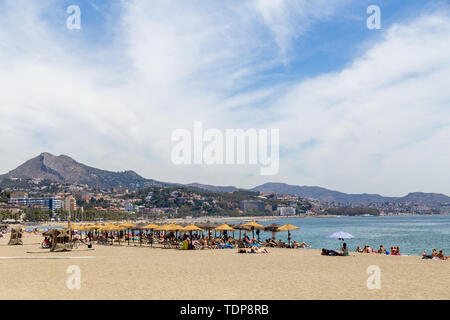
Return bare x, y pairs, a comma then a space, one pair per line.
344, 249
441, 256
381, 249
358, 249
433, 253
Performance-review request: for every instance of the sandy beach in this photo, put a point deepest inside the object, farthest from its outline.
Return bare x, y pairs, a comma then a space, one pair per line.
122, 272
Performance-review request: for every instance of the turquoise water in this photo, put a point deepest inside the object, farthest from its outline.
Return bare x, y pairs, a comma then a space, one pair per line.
412, 234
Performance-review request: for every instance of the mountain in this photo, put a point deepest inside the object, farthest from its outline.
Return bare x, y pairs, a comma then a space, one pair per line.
320, 193
431, 199
66, 170
212, 188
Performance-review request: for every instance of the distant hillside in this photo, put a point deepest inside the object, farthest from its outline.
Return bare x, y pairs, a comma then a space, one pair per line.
212, 188
66, 170
319, 193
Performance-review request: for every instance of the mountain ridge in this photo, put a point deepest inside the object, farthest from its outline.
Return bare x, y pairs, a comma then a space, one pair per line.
64, 169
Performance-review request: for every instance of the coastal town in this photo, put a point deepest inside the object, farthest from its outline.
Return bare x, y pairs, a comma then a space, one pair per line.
39, 200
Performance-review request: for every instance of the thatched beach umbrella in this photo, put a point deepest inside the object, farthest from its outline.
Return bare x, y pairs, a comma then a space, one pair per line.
207, 225
191, 228
161, 228
273, 227
150, 226
224, 227
241, 227
288, 227
254, 225
129, 226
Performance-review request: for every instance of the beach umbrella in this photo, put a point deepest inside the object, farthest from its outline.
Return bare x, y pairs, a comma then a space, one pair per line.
191, 227
341, 235
150, 226
162, 227
207, 225
254, 225
224, 227
288, 227
118, 228
241, 227
174, 227
128, 225
272, 228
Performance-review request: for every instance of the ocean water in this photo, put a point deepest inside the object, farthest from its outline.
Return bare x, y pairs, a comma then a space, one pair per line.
412, 234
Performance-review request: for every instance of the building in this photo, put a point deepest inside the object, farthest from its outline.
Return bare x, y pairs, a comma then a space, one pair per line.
129, 207
286, 211
42, 203
69, 204
19, 194
252, 205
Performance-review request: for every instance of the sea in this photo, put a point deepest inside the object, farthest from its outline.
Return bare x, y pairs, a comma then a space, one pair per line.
412, 234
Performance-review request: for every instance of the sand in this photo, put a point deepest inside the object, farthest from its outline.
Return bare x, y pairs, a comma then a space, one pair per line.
122, 272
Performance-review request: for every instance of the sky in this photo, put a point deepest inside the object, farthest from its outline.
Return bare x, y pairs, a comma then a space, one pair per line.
358, 110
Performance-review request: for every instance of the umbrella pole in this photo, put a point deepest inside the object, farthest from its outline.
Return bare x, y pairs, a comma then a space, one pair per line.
128, 236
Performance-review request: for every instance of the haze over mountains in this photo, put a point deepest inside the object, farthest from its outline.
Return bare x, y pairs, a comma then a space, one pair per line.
66, 170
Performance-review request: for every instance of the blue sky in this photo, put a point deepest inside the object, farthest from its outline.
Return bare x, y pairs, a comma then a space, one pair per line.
358, 110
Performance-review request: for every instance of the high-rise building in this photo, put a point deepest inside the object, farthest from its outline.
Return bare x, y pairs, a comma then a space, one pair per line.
69, 204
43, 203
286, 211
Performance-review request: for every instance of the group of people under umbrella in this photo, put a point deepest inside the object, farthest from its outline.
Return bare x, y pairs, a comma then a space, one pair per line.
127, 229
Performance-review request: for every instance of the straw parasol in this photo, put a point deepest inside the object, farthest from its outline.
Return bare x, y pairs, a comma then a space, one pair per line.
273, 227
162, 227
254, 225
174, 227
288, 227
150, 226
224, 227
191, 227
128, 225
207, 225
241, 227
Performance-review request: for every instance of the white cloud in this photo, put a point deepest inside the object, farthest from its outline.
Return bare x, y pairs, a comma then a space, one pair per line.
382, 124
181, 61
